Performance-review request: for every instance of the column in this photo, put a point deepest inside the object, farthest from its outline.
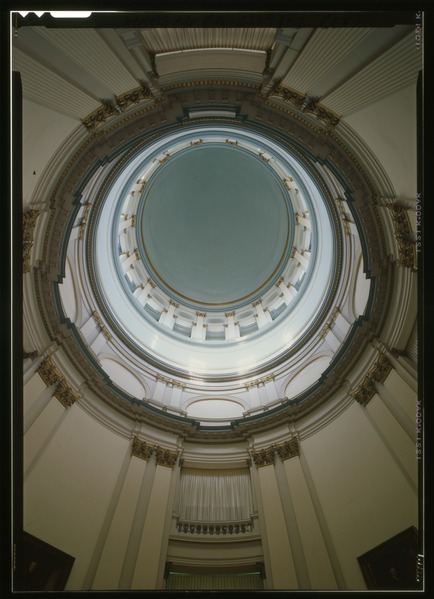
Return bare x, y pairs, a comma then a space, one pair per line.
142, 293
393, 435
45, 417
254, 398
407, 423
167, 317
160, 388
175, 400
300, 259
41, 432
31, 362
322, 524
292, 526
315, 566
35, 401
262, 316
147, 565
141, 503
258, 505
106, 566
198, 330
288, 292
168, 524
129, 260
232, 329
281, 561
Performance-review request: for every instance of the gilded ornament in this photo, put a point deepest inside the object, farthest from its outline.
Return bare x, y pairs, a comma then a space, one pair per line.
141, 449
289, 449
165, 457
65, 394
263, 457
48, 372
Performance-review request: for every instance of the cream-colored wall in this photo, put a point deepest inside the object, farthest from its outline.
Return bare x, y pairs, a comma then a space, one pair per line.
377, 126
44, 130
67, 492
364, 495
352, 487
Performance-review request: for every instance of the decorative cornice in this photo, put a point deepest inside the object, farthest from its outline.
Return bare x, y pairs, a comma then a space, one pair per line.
378, 373
32, 355
403, 231
65, 394
48, 372
289, 449
29, 221
305, 104
133, 96
165, 457
141, 449
100, 115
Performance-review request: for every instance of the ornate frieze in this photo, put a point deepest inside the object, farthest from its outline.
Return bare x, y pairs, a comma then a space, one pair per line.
29, 221
65, 394
32, 355
289, 449
379, 372
402, 226
48, 372
99, 116
133, 96
165, 457
305, 104
141, 449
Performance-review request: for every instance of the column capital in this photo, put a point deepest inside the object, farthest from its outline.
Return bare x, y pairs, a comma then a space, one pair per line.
289, 449
48, 372
141, 449
165, 457
263, 457
65, 394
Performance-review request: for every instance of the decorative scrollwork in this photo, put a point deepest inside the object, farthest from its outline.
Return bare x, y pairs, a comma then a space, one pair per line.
141, 449
263, 457
165, 457
99, 116
29, 221
65, 394
48, 372
133, 96
305, 104
289, 449
379, 372
402, 227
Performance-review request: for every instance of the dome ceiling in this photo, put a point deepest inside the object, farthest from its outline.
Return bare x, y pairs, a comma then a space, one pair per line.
214, 225
212, 256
